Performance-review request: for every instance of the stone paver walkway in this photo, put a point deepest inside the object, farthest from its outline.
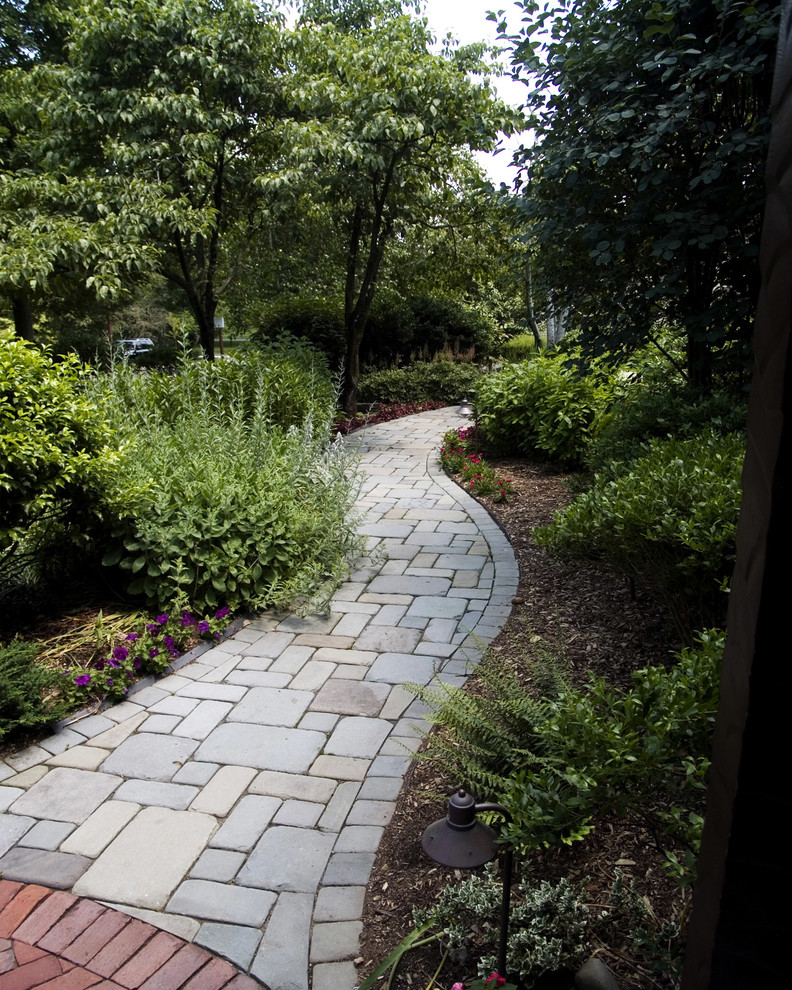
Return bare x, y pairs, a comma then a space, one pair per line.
238, 802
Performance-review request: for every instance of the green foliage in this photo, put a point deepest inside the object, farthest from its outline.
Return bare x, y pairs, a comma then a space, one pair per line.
444, 381
316, 319
646, 178
424, 325
386, 125
657, 406
547, 929
28, 698
557, 759
521, 347
546, 406
668, 519
460, 454
284, 382
142, 149
238, 498
57, 457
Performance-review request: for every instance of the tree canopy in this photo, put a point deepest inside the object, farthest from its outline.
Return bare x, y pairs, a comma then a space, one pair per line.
386, 126
175, 137
644, 187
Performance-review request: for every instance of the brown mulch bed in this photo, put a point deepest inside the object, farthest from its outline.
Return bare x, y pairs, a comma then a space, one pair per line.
588, 614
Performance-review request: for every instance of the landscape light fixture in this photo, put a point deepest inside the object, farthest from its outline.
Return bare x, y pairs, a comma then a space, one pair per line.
461, 841
465, 409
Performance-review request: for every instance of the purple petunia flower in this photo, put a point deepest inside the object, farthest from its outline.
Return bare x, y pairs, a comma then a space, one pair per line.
136, 663
203, 627
113, 663
221, 613
110, 681
162, 619
152, 627
82, 680
99, 664
120, 653
153, 652
132, 637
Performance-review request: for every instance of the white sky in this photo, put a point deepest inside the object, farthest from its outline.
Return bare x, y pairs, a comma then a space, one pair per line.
467, 21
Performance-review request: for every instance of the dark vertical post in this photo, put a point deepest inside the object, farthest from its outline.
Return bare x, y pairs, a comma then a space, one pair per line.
740, 926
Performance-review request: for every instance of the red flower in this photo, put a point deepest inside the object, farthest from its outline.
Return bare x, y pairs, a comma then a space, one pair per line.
498, 980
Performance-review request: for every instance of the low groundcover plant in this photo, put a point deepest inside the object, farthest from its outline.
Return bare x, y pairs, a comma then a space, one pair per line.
147, 649
459, 454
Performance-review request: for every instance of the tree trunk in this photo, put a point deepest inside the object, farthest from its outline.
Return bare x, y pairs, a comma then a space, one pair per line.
699, 364
530, 306
23, 317
701, 270
358, 300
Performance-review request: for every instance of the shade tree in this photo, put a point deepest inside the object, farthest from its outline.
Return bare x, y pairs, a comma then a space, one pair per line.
385, 125
643, 189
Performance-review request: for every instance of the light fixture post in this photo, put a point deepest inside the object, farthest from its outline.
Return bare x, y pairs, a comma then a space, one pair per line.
461, 841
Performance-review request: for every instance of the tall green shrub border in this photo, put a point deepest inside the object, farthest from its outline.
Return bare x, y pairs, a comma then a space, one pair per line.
544, 406
444, 381
238, 498
667, 519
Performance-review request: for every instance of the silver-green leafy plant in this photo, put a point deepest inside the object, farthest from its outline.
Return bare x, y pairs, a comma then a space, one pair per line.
240, 498
547, 929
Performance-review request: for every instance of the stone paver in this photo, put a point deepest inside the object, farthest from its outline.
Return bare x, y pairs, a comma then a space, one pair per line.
239, 801
147, 860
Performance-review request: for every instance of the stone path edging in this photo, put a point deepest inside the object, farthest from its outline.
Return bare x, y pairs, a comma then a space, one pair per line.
238, 803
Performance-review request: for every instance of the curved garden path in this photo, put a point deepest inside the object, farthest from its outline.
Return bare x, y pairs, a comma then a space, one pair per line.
233, 808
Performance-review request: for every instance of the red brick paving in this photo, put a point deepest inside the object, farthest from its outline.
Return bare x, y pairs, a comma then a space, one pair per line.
50, 940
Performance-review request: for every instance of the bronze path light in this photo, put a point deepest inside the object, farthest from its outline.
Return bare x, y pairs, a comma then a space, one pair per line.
461, 841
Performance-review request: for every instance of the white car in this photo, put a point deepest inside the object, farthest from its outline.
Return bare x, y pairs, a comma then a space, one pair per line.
134, 346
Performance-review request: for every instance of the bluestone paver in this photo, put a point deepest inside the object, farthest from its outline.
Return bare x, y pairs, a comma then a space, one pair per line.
282, 959
221, 801
222, 902
149, 756
66, 795
288, 859
167, 842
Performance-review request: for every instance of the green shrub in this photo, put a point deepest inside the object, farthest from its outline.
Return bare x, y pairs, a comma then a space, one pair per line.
522, 347
57, 457
237, 497
652, 406
441, 323
543, 406
317, 320
444, 381
669, 520
285, 382
557, 760
28, 696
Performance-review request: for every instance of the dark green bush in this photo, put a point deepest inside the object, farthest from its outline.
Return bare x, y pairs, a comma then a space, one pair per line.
444, 381
319, 320
28, 697
649, 406
668, 520
543, 406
